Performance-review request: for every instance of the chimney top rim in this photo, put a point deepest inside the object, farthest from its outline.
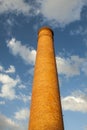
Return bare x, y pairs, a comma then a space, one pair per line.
45, 28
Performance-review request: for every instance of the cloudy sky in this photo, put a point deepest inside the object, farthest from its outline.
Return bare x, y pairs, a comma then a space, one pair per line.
19, 24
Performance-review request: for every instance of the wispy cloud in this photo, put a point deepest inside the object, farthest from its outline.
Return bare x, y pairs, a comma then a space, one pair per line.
26, 53
8, 123
1, 68
21, 86
77, 101
16, 6
8, 86
71, 66
23, 97
22, 114
85, 128
61, 11
8, 89
2, 102
11, 69
78, 31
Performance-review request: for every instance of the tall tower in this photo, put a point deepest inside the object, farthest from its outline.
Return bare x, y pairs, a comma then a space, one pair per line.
45, 111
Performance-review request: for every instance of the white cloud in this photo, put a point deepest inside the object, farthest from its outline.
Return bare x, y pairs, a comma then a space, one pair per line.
7, 123
11, 69
24, 98
2, 102
23, 114
8, 86
75, 102
1, 68
17, 6
85, 128
66, 67
62, 11
21, 86
71, 66
27, 54
10, 22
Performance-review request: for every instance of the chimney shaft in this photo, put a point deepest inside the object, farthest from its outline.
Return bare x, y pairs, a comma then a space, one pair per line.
45, 111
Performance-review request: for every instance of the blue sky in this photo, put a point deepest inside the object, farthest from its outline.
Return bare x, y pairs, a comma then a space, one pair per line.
19, 24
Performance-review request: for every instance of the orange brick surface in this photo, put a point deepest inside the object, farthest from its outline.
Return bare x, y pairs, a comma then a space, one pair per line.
45, 111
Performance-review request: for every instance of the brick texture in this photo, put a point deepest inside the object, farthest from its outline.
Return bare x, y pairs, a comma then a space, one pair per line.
45, 111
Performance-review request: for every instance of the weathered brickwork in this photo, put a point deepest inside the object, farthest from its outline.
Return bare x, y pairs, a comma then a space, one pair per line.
45, 111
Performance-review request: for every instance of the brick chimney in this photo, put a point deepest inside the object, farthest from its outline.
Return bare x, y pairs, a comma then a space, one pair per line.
45, 110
